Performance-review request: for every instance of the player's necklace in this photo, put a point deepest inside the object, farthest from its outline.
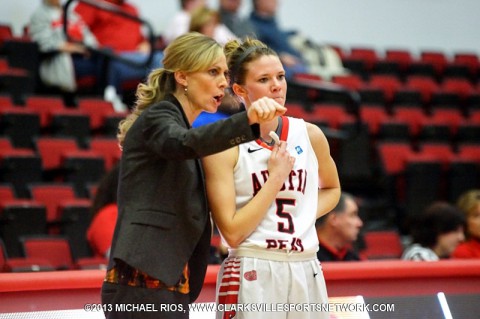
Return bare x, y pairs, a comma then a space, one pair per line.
278, 131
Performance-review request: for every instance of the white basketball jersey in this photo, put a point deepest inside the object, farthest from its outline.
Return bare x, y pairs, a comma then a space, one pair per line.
289, 222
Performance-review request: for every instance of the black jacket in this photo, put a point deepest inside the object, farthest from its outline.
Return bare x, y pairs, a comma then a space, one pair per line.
164, 219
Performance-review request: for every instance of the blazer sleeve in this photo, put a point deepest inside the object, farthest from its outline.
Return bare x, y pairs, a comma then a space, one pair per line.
166, 134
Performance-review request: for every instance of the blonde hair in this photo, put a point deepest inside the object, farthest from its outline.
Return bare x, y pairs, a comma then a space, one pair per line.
191, 52
467, 203
202, 16
469, 200
239, 54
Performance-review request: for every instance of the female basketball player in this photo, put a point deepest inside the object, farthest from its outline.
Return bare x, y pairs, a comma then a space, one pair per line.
265, 198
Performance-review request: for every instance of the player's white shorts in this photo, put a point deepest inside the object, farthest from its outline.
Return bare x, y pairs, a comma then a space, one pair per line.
251, 287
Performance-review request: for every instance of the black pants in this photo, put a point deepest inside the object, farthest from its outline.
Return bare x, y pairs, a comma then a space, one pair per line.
126, 302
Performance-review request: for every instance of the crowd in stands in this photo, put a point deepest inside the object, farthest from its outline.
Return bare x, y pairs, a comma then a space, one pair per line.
406, 102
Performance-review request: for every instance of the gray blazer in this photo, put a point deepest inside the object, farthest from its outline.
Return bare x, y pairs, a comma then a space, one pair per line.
164, 219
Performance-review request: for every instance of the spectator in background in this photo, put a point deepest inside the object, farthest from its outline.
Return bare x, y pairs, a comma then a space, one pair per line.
263, 18
298, 54
229, 15
104, 214
206, 21
435, 233
125, 37
338, 230
180, 22
469, 204
64, 61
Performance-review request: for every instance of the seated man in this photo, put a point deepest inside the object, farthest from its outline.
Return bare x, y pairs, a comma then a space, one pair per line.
338, 230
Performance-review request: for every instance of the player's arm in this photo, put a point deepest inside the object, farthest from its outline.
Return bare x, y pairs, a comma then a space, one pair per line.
329, 188
235, 225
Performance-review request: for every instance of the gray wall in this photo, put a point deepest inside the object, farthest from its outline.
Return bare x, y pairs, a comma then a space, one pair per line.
447, 25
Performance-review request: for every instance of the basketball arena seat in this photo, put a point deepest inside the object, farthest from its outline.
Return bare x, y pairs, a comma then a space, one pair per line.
333, 114
97, 109
64, 161
385, 244
52, 148
6, 32
18, 167
52, 195
435, 131
373, 115
110, 124
469, 151
424, 182
81, 168
426, 85
460, 86
468, 132
408, 95
393, 156
414, 115
21, 264
351, 81
388, 84
109, 148
354, 154
462, 175
44, 106
58, 120
74, 220
71, 123
5, 100
56, 249
391, 130
20, 217
297, 110
458, 71
6, 191
361, 60
437, 59
470, 60
441, 151
20, 125
401, 56
452, 117
388, 67
474, 116
15, 76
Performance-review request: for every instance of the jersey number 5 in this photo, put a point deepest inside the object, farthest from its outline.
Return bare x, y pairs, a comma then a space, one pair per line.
287, 225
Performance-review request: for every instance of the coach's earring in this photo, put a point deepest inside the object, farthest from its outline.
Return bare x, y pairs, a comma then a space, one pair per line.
185, 90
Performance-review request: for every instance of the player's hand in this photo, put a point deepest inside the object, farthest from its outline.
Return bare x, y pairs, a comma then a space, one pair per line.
280, 163
264, 110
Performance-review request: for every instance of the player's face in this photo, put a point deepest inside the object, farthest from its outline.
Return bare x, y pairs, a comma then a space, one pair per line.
207, 88
265, 77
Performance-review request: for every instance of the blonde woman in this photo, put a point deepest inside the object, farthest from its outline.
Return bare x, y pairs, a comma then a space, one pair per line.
161, 241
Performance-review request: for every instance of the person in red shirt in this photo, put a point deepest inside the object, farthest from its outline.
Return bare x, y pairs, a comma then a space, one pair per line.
469, 203
123, 36
104, 214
